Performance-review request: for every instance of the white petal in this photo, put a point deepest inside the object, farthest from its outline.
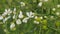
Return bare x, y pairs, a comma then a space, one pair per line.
18, 21
12, 25
4, 14
30, 14
41, 17
54, 9
36, 22
25, 20
27, 13
6, 10
9, 10
4, 20
21, 13
58, 6
57, 13
20, 16
45, 16
14, 9
22, 4
36, 17
13, 16
1, 17
40, 4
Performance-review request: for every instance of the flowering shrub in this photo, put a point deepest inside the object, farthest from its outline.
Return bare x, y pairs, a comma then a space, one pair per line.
29, 16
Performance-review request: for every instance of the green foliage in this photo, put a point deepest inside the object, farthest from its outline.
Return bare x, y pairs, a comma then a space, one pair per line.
49, 24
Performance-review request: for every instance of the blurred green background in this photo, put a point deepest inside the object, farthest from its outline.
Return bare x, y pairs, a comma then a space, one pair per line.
49, 26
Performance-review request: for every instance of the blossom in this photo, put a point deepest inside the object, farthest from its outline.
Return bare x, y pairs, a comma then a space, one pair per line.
41, 17
53, 9
40, 4
36, 22
57, 13
45, 17
36, 17
4, 20
7, 12
25, 20
12, 25
14, 9
1, 17
58, 5
22, 4
18, 21
30, 14
20, 15
14, 16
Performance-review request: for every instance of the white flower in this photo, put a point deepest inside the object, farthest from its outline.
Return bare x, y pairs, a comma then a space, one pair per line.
25, 20
4, 14
58, 6
1, 17
18, 21
14, 16
4, 20
36, 17
14, 12
22, 4
45, 16
7, 12
21, 12
53, 9
40, 4
41, 17
57, 13
20, 15
36, 22
30, 14
14, 9
12, 25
